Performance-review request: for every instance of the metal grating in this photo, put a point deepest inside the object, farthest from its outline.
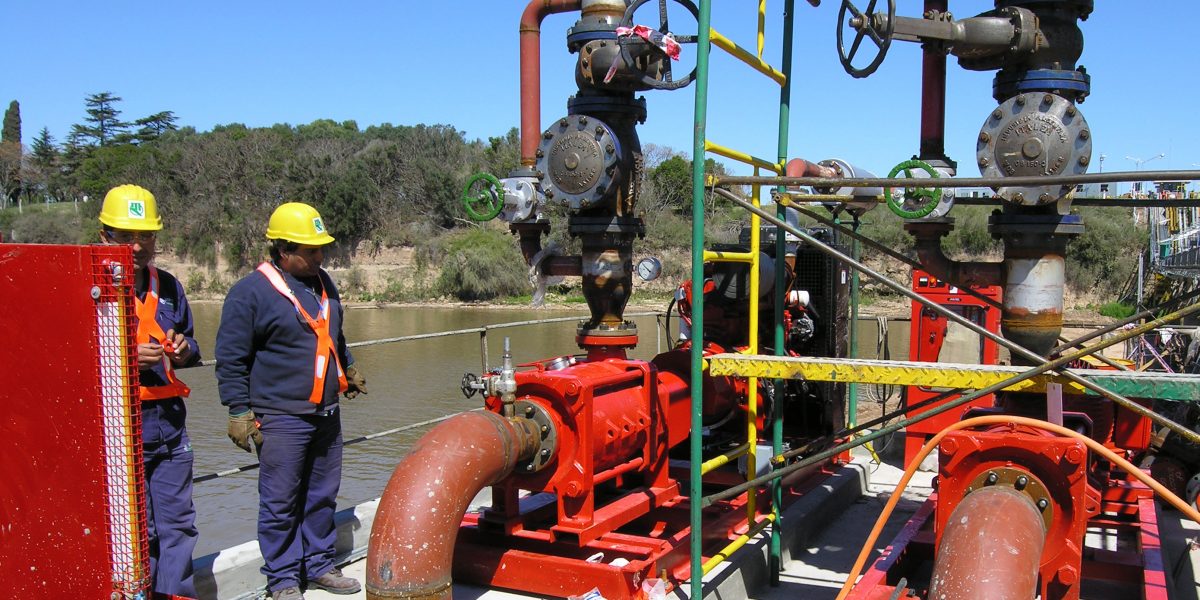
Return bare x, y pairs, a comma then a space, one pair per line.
120, 414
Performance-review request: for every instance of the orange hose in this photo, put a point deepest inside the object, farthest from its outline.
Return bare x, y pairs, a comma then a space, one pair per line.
1092, 445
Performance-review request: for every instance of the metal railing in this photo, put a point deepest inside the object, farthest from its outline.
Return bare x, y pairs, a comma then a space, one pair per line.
661, 323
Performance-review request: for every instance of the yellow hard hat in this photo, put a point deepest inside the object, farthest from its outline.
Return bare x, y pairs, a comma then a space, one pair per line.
300, 223
130, 207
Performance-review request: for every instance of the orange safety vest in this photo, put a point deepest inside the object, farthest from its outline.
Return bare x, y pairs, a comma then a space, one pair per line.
319, 326
148, 331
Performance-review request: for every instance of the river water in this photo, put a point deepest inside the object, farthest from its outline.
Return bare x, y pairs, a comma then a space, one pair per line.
409, 382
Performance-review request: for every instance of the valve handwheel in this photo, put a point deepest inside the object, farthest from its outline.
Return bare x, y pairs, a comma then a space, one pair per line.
483, 197
666, 83
866, 26
930, 196
470, 384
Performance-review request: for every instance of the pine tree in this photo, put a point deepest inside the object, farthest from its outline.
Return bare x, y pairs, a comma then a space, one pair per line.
152, 127
44, 157
105, 126
44, 151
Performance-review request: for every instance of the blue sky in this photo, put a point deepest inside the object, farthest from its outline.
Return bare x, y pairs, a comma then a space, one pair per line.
456, 63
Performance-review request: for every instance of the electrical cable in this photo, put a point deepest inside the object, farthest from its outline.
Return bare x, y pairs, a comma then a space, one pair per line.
1092, 445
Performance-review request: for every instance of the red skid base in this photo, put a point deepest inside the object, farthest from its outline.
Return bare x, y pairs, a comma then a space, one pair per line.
1134, 572
540, 561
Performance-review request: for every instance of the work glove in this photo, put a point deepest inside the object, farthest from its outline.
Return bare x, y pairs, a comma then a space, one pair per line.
242, 429
355, 383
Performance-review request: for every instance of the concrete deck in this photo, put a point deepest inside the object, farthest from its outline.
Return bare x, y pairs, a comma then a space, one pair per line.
825, 532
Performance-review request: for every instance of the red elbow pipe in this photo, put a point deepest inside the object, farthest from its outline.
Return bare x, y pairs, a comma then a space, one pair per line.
991, 548
531, 71
411, 549
798, 167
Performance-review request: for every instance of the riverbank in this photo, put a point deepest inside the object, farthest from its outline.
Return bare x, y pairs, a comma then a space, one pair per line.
393, 277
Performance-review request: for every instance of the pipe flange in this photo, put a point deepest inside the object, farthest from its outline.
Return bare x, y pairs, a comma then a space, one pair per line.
1021, 481
594, 104
549, 436
621, 226
1034, 134
578, 158
1076, 85
1023, 225
935, 227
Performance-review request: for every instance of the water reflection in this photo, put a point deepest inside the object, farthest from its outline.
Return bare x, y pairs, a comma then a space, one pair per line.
409, 381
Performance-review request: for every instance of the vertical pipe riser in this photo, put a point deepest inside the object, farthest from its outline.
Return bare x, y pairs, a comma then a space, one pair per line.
1033, 301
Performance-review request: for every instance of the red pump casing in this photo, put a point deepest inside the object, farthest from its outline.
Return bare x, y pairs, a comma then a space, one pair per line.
614, 419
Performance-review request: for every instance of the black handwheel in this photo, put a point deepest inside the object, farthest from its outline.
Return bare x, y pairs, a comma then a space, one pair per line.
666, 83
469, 384
865, 26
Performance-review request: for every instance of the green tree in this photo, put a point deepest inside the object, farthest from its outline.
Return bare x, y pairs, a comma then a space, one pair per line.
154, 126
347, 207
672, 182
45, 154
11, 153
104, 123
44, 164
12, 124
503, 154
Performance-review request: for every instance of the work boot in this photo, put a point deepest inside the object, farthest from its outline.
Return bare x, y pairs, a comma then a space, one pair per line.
334, 583
291, 593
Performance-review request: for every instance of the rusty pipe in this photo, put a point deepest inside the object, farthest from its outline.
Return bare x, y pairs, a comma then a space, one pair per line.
531, 71
991, 547
411, 549
933, 95
927, 242
798, 167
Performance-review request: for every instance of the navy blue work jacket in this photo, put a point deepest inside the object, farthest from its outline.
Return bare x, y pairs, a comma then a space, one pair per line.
265, 349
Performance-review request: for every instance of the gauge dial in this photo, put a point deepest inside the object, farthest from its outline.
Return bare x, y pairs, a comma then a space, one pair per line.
649, 268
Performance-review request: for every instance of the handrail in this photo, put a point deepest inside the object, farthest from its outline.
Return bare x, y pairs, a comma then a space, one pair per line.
957, 182
742, 157
422, 336
480, 330
370, 436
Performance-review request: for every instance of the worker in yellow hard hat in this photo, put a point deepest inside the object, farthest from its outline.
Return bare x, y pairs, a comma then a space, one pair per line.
165, 342
282, 362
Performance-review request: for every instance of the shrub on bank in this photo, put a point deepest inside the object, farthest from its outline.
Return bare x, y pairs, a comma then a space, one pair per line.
482, 264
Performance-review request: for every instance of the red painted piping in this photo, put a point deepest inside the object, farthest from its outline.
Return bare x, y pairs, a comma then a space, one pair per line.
411, 549
531, 71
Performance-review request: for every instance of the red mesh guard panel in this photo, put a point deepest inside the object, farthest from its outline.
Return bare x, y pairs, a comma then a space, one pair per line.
72, 491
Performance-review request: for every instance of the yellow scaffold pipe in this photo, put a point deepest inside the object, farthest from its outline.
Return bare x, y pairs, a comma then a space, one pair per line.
745, 56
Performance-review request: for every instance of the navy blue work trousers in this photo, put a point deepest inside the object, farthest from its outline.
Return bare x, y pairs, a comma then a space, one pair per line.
298, 479
170, 515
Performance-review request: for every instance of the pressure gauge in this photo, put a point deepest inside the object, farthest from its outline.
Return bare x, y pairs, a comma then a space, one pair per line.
649, 268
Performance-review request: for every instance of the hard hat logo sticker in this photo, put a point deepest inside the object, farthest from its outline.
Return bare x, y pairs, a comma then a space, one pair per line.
137, 209
318, 225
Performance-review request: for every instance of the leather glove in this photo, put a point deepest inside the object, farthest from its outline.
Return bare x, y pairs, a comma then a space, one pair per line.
243, 429
355, 383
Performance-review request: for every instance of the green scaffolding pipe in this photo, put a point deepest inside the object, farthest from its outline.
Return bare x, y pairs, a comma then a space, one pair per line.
785, 106
703, 47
